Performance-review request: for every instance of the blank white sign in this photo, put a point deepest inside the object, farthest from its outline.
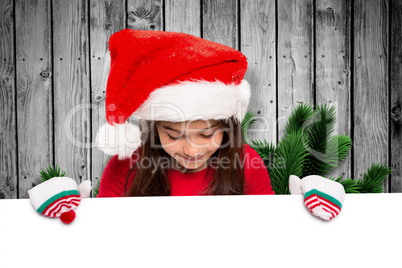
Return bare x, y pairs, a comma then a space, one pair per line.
205, 231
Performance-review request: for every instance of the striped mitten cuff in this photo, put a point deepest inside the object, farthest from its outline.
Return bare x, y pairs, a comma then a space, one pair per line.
323, 197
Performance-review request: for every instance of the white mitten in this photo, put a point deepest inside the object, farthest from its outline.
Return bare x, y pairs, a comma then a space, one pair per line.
58, 197
322, 196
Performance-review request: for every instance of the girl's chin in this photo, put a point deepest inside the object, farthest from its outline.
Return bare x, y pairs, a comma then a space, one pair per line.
191, 165
194, 166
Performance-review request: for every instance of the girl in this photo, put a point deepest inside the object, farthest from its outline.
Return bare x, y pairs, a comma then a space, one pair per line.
215, 167
190, 99
189, 96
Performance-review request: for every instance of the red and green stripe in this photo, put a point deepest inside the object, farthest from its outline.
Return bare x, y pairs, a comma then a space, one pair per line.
63, 199
315, 198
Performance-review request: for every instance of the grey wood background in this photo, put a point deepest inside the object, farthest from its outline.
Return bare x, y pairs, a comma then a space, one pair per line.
54, 67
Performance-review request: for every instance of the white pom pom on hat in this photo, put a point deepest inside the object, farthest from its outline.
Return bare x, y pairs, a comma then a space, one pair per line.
121, 139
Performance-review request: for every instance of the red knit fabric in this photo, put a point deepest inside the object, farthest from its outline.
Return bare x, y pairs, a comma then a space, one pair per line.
142, 61
257, 180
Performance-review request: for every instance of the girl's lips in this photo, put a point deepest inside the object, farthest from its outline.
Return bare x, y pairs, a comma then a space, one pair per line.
192, 159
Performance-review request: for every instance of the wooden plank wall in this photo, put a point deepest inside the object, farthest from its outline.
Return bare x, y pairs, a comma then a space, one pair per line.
54, 66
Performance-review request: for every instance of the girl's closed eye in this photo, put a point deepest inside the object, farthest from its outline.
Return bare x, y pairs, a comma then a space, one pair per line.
173, 138
207, 136
177, 138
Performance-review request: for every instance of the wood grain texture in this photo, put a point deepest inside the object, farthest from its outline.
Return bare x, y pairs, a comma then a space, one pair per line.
71, 88
295, 57
183, 16
145, 15
257, 22
106, 18
34, 95
76, 45
220, 22
371, 109
8, 142
396, 96
333, 57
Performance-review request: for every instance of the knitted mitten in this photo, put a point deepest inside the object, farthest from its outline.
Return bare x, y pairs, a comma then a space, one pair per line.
58, 196
322, 196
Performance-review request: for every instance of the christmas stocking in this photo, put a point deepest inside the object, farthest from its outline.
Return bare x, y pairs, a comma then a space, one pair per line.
58, 197
322, 196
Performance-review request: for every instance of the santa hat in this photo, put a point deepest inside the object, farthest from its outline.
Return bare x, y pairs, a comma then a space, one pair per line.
168, 76
58, 197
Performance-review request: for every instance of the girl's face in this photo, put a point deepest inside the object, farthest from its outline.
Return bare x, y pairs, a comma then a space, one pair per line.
190, 143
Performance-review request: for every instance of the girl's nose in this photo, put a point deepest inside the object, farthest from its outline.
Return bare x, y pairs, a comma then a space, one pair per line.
191, 152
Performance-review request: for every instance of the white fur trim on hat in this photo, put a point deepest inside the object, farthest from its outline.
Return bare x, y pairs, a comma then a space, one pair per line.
196, 100
121, 139
183, 101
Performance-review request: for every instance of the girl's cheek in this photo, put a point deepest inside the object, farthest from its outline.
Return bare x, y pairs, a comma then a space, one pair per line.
216, 140
167, 144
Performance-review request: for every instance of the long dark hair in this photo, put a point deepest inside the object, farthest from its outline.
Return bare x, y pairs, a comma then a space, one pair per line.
154, 181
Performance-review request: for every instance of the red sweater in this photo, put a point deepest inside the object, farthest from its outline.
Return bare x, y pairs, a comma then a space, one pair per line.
256, 177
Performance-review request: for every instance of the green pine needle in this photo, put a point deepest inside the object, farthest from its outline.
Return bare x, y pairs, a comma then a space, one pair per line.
288, 160
307, 148
266, 150
95, 190
249, 119
300, 118
51, 172
349, 185
325, 152
107, 160
322, 162
320, 128
322, 124
372, 181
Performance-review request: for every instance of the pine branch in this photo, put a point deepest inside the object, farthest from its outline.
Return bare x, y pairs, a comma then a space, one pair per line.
95, 190
372, 181
248, 120
107, 160
321, 163
325, 153
321, 126
307, 148
288, 160
299, 118
266, 151
349, 185
51, 172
